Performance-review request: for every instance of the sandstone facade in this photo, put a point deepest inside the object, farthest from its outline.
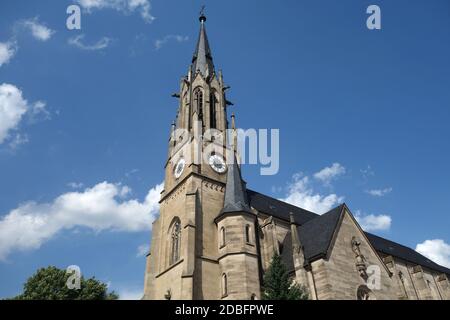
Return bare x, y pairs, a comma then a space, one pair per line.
214, 239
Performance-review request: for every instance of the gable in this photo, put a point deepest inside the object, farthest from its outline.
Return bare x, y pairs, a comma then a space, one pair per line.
316, 235
349, 266
348, 228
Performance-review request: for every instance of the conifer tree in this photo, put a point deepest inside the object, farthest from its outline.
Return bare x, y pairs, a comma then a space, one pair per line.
278, 285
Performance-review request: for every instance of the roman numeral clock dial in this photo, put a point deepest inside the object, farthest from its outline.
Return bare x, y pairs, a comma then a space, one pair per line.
217, 163
179, 168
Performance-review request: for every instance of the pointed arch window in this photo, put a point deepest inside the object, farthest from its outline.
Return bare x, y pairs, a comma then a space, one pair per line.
212, 111
198, 96
224, 285
175, 241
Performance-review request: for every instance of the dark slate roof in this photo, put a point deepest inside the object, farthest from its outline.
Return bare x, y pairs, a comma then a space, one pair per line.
316, 234
202, 59
316, 231
235, 192
277, 208
397, 250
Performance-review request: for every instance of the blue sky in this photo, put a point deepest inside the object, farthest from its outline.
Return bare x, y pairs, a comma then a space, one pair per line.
363, 118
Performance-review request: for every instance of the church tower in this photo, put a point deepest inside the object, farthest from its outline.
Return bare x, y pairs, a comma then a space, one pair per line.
203, 243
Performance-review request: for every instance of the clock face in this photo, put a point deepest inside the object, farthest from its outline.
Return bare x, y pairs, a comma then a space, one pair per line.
179, 168
217, 163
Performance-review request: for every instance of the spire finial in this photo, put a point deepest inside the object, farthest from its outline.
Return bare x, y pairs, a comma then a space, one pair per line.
202, 60
202, 14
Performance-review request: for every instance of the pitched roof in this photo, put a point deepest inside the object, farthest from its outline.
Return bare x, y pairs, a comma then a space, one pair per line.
316, 234
277, 208
202, 59
397, 250
316, 231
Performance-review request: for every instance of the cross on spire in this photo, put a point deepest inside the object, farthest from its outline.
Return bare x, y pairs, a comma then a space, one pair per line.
202, 10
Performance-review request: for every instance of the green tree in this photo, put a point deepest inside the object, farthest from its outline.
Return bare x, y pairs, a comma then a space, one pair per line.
278, 285
51, 284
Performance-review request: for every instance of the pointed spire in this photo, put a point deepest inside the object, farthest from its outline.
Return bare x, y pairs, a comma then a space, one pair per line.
202, 60
235, 191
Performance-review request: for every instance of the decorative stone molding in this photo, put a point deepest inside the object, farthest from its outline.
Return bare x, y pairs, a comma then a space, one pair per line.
175, 194
360, 260
214, 186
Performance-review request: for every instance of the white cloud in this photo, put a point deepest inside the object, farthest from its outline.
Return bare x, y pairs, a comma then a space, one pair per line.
75, 185
125, 6
379, 192
38, 112
131, 172
368, 172
101, 44
373, 222
131, 294
7, 51
301, 194
326, 175
18, 140
98, 208
39, 107
436, 250
125, 191
38, 29
142, 250
13, 107
161, 42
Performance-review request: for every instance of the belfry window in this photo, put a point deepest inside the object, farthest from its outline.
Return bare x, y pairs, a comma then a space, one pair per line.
212, 111
175, 241
199, 103
224, 285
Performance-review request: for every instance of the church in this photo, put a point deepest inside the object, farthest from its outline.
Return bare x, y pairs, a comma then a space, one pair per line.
214, 237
